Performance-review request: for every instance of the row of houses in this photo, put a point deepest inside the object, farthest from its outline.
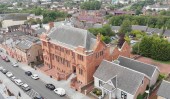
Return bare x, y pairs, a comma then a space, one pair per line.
146, 29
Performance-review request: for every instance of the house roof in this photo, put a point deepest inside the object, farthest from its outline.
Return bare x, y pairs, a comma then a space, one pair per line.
147, 69
16, 16
40, 31
108, 87
154, 30
127, 79
164, 89
139, 27
115, 27
72, 37
27, 42
166, 33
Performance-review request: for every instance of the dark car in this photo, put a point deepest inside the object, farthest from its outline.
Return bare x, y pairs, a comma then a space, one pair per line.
50, 86
28, 73
4, 71
38, 97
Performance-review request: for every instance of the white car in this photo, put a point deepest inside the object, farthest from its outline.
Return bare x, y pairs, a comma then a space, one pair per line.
1, 68
9, 74
60, 91
18, 82
35, 76
15, 65
13, 78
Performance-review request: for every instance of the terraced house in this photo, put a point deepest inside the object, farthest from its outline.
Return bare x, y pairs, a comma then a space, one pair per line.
69, 50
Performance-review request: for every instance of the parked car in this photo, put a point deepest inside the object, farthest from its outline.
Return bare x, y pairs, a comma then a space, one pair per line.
50, 86
3, 57
60, 91
7, 60
13, 78
25, 87
4, 71
38, 97
35, 76
18, 82
1, 68
15, 65
9, 74
28, 73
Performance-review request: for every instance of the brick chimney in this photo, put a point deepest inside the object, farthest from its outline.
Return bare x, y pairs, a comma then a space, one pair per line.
51, 25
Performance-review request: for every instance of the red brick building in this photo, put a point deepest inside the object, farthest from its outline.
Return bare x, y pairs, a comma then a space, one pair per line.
68, 50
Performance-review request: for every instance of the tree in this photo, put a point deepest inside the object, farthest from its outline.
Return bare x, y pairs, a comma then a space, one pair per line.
91, 5
0, 24
126, 27
106, 39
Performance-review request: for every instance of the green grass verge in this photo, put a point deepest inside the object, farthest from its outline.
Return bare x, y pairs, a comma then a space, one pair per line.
164, 62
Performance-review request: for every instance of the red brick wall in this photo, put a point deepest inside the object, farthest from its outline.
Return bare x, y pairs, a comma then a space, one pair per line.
124, 51
142, 87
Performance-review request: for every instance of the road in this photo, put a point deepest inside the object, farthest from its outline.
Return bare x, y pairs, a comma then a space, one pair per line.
37, 85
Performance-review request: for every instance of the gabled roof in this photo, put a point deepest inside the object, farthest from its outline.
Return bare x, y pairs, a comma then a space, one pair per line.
146, 69
127, 79
164, 90
139, 27
72, 37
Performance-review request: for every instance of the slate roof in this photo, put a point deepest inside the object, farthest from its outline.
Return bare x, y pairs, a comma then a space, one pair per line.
127, 79
108, 87
137, 66
166, 33
164, 90
27, 42
72, 37
139, 27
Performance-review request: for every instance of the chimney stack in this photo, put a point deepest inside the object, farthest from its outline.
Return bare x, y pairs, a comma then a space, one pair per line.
51, 25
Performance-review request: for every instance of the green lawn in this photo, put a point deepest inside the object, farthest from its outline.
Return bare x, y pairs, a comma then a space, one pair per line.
164, 62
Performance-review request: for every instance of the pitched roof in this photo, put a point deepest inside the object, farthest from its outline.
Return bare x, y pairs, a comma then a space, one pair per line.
139, 27
72, 37
27, 42
164, 89
40, 31
137, 66
108, 87
127, 79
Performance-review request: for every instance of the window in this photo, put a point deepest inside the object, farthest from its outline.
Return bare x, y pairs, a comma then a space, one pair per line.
100, 83
80, 71
123, 95
80, 57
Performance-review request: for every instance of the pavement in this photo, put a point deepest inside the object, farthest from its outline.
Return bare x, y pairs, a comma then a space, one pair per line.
71, 93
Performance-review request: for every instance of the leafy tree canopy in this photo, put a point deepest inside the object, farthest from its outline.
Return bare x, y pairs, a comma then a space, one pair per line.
91, 5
